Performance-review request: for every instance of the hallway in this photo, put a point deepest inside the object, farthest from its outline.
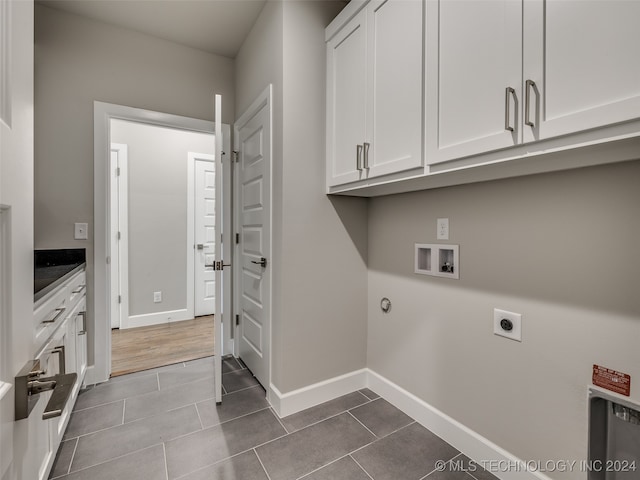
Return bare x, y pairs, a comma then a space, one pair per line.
164, 424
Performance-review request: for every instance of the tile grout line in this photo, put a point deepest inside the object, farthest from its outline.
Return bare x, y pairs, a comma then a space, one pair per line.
361, 467
73, 455
261, 464
321, 467
378, 439
114, 458
164, 453
448, 461
278, 418
327, 418
199, 417
134, 421
367, 428
218, 424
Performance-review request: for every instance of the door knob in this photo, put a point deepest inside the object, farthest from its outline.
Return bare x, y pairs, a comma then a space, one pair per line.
200, 246
262, 262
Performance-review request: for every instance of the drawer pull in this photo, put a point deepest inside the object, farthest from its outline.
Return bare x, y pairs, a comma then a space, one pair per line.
79, 289
57, 315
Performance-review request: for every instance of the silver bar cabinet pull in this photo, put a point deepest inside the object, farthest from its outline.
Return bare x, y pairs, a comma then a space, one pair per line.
53, 320
61, 360
507, 108
366, 154
359, 157
527, 96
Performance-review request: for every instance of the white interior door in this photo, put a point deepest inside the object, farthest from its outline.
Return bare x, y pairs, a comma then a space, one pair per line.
119, 234
253, 144
205, 233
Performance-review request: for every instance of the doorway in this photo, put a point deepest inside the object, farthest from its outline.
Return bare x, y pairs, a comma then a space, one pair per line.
103, 115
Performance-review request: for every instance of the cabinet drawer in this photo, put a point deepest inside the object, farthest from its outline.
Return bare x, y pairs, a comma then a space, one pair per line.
50, 315
77, 287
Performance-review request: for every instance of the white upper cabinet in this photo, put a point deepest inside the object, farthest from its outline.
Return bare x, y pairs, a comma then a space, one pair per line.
474, 76
346, 101
584, 58
374, 92
507, 72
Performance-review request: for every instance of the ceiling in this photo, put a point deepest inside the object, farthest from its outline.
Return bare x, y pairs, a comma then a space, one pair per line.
215, 26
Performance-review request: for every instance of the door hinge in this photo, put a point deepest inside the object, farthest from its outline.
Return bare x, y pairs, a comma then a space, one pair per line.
235, 155
119, 236
119, 298
237, 238
237, 320
117, 171
222, 238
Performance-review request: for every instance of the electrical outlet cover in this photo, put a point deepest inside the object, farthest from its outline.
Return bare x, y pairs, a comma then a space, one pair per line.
516, 319
443, 229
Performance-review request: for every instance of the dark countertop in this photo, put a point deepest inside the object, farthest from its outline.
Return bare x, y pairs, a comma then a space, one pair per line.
53, 267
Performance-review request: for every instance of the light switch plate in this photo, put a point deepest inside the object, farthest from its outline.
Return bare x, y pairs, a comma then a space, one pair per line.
81, 231
443, 229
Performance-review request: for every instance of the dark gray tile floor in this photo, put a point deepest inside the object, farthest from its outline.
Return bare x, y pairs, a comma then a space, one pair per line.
164, 424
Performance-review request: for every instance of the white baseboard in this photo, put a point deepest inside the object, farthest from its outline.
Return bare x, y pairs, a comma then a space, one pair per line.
157, 318
469, 442
292, 402
500, 462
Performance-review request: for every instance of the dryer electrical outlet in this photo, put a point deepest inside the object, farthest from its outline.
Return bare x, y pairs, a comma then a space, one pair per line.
507, 324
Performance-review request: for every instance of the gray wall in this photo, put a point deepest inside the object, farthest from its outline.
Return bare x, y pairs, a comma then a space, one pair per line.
78, 61
561, 249
320, 244
157, 177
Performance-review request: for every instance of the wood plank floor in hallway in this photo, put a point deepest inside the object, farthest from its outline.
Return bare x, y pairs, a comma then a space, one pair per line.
142, 348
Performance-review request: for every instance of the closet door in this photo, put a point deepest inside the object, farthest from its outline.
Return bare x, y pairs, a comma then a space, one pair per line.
474, 76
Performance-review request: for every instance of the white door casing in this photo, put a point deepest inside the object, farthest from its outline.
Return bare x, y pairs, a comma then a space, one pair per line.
217, 319
205, 232
252, 137
103, 114
119, 296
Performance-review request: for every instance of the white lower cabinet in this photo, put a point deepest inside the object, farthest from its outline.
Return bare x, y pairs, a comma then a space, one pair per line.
65, 351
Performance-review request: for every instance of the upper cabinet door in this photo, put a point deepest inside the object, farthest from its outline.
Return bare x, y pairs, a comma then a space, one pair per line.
474, 77
584, 59
346, 102
395, 108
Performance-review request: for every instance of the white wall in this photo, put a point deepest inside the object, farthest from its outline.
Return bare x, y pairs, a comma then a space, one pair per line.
561, 249
79, 61
16, 194
157, 209
319, 244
